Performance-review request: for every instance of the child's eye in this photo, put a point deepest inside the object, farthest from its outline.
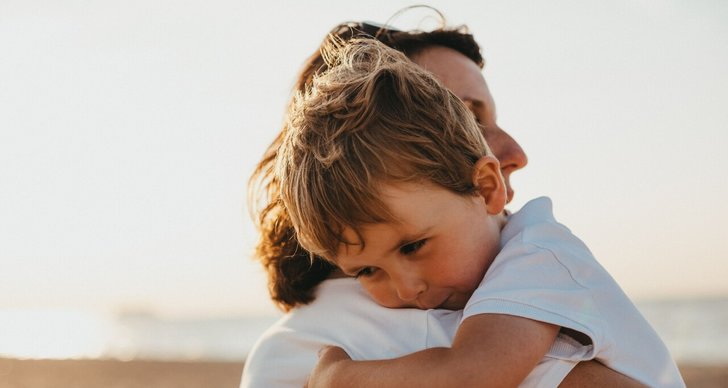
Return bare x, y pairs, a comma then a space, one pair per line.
412, 247
365, 272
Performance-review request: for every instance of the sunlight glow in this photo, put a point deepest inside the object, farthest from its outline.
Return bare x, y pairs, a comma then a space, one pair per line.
53, 334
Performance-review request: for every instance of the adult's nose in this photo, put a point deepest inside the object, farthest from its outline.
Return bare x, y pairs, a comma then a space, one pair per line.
509, 153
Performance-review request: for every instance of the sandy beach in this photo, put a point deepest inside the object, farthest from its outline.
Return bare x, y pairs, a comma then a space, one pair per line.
168, 374
118, 374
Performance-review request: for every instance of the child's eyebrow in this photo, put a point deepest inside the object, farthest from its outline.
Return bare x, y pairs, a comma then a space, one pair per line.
410, 238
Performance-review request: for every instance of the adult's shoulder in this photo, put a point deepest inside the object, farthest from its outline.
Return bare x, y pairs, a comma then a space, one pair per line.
285, 354
343, 296
344, 315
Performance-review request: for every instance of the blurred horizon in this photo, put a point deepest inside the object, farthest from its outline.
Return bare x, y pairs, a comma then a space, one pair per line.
694, 331
128, 132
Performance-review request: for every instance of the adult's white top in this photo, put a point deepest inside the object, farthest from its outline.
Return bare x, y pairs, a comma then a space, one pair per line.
344, 315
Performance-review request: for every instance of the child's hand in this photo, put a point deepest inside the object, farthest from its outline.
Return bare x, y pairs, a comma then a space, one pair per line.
331, 358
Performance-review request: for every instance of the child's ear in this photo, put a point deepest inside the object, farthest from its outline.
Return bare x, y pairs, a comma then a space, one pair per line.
489, 183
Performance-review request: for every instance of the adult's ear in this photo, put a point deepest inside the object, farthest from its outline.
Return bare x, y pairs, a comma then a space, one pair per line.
489, 183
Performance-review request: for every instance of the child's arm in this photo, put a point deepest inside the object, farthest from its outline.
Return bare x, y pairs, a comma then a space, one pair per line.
593, 374
488, 350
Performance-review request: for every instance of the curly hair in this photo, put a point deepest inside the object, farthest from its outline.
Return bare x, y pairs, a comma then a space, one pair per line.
373, 117
293, 273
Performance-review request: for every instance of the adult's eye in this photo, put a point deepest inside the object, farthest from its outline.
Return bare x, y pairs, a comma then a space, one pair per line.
412, 247
477, 119
476, 110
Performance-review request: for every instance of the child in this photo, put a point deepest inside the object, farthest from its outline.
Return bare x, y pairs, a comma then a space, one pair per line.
386, 174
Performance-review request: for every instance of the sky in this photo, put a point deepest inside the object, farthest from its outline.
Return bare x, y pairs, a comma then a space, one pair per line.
128, 131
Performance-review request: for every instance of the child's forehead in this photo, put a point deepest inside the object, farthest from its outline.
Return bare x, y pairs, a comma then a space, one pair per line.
413, 208
356, 235
410, 202
394, 189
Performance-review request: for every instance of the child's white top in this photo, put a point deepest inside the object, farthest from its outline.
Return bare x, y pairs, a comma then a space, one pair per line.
545, 273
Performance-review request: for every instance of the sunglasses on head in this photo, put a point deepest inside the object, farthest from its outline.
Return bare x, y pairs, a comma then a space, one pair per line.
376, 29
363, 29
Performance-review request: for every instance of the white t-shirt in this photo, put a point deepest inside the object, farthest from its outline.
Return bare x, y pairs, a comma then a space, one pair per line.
344, 315
545, 273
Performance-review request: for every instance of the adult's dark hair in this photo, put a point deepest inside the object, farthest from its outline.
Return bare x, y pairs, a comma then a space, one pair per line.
292, 274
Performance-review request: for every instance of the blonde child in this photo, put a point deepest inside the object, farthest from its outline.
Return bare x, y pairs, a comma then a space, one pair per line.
386, 174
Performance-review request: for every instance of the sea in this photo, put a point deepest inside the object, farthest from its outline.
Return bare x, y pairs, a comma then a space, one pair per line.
695, 331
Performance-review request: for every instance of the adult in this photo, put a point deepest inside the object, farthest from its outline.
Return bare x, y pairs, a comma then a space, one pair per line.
325, 308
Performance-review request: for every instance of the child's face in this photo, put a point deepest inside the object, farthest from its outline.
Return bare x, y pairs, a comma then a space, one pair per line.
434, 257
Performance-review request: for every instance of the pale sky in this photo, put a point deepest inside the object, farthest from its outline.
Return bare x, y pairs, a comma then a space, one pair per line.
128, 131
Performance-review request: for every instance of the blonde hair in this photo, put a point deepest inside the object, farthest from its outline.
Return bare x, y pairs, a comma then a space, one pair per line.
372, 117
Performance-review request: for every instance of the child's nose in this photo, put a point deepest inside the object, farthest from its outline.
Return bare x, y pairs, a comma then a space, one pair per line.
409, 287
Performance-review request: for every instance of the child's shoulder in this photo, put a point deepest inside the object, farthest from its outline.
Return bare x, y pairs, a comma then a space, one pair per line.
534, 226
533, 222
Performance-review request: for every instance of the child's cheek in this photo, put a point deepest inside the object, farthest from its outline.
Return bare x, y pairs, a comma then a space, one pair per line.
382, 295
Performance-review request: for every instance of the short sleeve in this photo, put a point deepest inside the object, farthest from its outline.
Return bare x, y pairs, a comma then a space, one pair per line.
531, 281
